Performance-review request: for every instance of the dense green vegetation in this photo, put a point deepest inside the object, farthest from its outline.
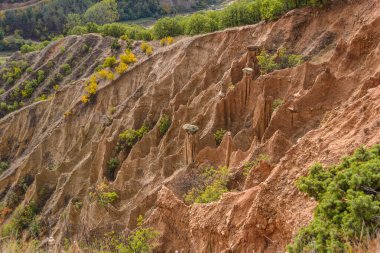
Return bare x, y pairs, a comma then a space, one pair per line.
129, 137
164, 124
213, 184
117, 30
79, 17
43, 19
55, 16
218, 135
112, 166
140, 240
23, 218
240, 13
103, 195
3, 166
348, 199
279, 60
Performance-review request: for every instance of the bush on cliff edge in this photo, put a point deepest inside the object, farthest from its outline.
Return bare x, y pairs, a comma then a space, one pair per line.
348, 211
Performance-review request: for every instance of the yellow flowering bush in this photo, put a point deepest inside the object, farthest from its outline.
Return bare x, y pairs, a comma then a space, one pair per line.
146, 48
128, 57
122, 68
91, 87
105, 74
166, 41
85, 99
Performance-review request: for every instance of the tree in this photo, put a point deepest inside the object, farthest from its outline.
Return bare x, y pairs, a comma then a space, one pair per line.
102, 12
198, 23
271, 9
73, 20
241, 13
165, 27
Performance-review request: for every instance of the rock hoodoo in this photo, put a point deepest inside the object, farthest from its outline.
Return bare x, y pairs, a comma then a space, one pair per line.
190, 142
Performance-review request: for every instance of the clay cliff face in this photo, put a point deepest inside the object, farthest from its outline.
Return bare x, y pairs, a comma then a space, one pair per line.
331, 107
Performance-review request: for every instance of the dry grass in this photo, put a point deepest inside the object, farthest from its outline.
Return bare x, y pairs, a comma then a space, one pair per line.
368, 246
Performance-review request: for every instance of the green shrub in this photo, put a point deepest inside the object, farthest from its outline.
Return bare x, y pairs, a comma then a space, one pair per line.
92, 27
348, 203
35, 228
271, 9
106, 198
11, 199
27, 48
85, 49
109, 62
78, 30
3, 167
198, 23
103, 195
164, 124
115, 44
43, 97
240, 13
14, 71
267, 62
50, 64
277, 103
78, 204
139, 240
218, 136
58, 77
112, 166
165, 27
105, 11
40, 76
146, 48
22, 219
65, 69
213, 185
29, 87
129, 137
280, 60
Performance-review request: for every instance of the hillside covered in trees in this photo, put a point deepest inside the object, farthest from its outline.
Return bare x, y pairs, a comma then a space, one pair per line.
49, 17
46, 20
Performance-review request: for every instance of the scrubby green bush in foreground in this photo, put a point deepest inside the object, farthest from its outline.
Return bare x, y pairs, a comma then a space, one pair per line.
348, 211
213, 185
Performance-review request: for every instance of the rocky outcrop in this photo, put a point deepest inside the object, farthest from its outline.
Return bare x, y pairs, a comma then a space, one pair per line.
331, 108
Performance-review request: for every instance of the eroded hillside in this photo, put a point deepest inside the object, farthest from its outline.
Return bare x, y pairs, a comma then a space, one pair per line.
58, 149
